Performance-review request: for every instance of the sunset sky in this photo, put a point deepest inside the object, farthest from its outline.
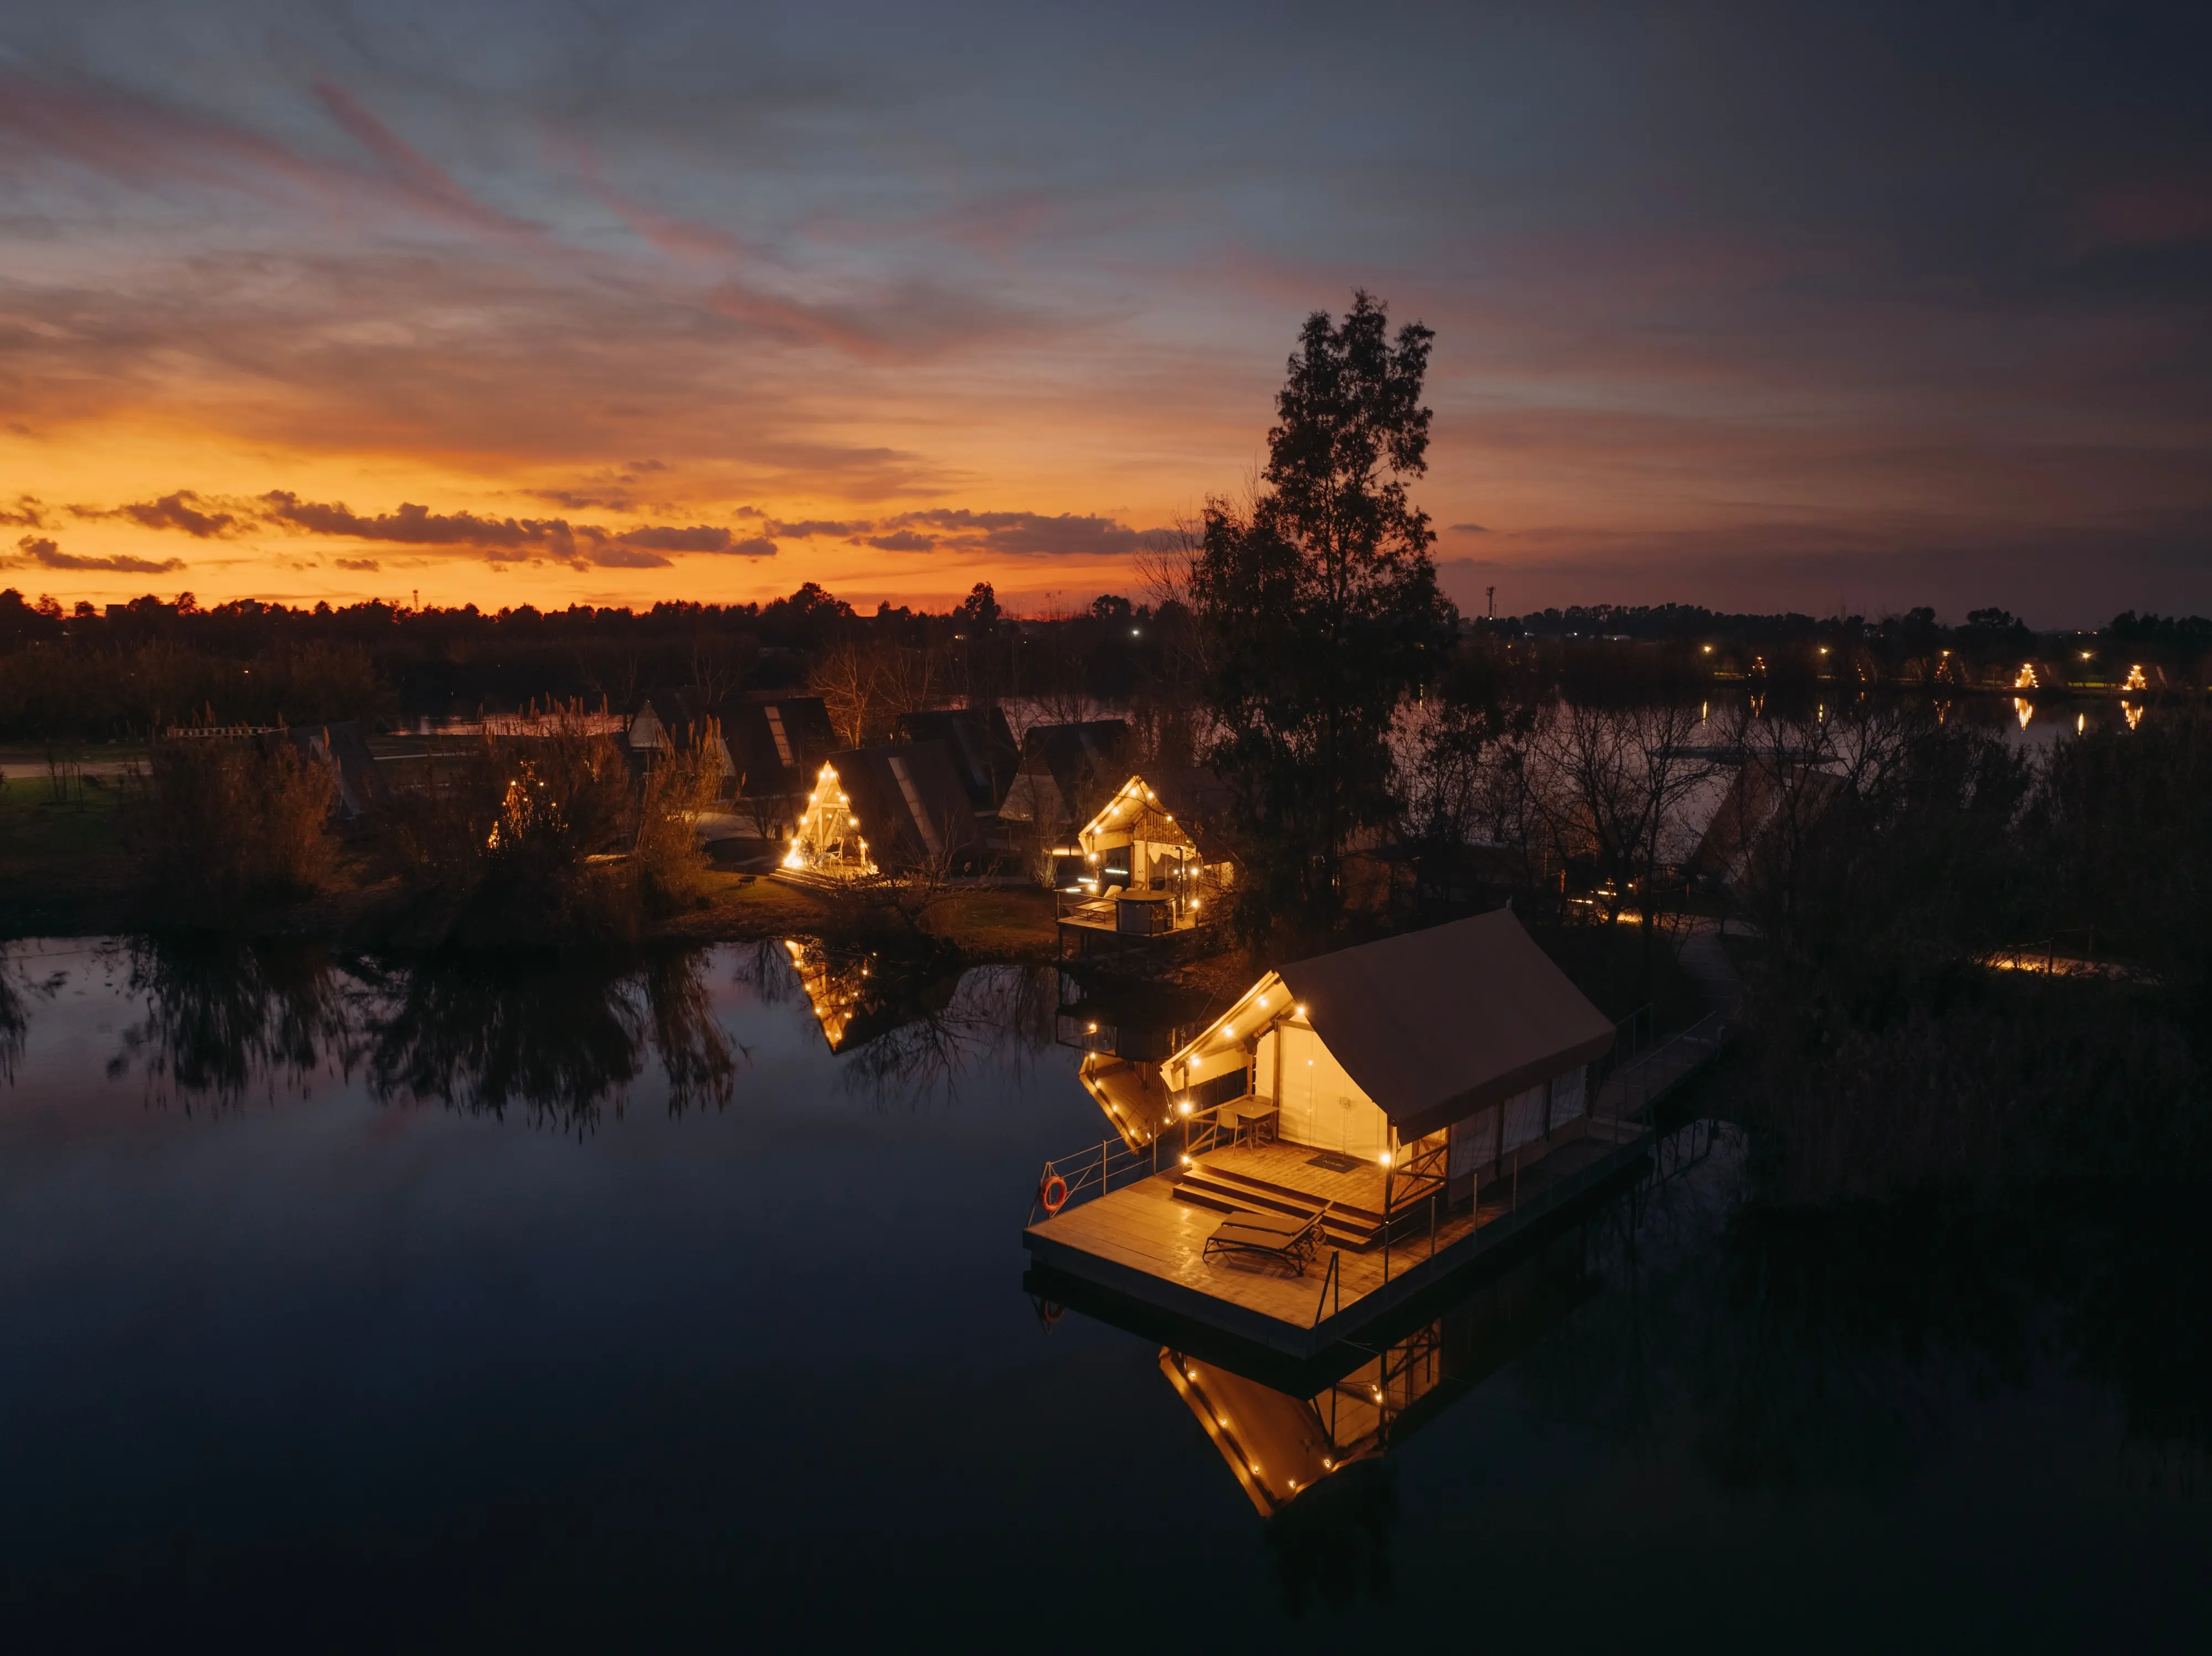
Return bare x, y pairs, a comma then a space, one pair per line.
1751, 306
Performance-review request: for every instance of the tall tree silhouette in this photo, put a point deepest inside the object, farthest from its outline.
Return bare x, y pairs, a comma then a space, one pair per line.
1320, 608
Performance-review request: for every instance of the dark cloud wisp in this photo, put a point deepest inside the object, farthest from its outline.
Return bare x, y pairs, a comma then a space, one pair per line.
44, 553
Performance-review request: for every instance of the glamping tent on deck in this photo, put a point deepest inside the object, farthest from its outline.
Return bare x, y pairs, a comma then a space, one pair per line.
1465, 1034
1151, 858
890, 807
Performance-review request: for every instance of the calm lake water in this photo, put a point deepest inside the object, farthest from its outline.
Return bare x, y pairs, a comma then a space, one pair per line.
353, 1309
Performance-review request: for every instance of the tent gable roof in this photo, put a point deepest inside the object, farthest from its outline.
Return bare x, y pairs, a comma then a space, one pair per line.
1196, 800
880, 801
753, 747
1434, 1025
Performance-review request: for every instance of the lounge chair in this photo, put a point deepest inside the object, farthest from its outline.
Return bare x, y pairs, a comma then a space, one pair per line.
1276, 1237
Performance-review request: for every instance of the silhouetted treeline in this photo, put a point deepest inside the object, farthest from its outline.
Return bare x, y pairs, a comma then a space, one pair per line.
1907, 648
1897, 858
133, 669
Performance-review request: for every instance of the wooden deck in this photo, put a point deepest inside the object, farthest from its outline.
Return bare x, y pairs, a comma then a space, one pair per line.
1146, 1239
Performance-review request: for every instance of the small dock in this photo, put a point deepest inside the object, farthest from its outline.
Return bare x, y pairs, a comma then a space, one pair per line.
1137, 1219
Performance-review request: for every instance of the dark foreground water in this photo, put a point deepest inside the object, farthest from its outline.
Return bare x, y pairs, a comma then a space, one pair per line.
350, 1308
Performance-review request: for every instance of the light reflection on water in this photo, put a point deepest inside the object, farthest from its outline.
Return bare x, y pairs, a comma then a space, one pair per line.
610, 1306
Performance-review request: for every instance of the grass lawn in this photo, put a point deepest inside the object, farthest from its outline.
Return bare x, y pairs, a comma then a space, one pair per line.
999, 923
63, 863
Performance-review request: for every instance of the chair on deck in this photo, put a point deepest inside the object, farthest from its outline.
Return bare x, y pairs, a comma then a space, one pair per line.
1265, 1233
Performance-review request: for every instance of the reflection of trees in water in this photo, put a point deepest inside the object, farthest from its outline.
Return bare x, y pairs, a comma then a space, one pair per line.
224, 1014
904, 1026
1003, 1013
1796, 1347
697, 1056
18, 989
1333, 1543
560, 1039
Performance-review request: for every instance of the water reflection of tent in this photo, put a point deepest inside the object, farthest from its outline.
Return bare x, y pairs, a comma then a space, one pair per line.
1123, 1030
858, 997
1282, 1434
1135, 1020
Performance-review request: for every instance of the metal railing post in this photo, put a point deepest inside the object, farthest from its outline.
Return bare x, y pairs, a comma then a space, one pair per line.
1387, 1181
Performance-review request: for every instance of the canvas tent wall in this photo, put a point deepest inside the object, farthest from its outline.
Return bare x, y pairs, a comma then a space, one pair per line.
979, 743
1467, 1029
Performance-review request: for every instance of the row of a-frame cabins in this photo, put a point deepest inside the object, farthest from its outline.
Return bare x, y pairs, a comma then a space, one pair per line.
1133, 856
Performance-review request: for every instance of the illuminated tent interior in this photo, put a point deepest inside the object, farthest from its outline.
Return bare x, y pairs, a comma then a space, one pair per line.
1467, 1029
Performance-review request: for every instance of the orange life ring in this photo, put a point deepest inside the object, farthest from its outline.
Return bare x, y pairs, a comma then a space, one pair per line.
1053, 1193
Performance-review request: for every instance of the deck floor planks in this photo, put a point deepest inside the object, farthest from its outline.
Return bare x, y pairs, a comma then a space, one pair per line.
1143, 1225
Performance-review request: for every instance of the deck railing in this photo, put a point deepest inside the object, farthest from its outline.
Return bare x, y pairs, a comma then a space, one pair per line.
1644, 1079
1111, 1164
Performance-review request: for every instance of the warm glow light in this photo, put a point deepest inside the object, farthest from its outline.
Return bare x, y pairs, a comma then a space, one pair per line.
1184, 1107
1384, 1158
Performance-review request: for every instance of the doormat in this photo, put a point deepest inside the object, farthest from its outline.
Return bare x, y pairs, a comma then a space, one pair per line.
1330, 1161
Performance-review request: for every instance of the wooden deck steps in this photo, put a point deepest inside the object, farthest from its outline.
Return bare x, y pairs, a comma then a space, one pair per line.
1225, 1198
1347, 1225
1240, 1179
